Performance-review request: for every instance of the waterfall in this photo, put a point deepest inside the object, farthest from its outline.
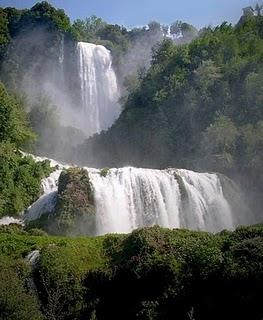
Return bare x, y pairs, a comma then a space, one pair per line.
9, 220
61, 59
130, 198
47, 202
61, 51
99, 90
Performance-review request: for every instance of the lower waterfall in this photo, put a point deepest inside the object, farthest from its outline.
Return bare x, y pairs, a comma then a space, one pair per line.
129, 198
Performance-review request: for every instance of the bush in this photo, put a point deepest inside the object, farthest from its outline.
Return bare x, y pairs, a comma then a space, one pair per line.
20, 180
16, 301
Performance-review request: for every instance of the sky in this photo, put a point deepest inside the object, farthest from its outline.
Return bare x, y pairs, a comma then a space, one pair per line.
132, 13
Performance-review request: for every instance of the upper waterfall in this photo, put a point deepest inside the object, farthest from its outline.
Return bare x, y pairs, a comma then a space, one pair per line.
99, 90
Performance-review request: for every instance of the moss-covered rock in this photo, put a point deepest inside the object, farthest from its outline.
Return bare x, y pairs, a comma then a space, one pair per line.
75, 210
104, 172
181, 185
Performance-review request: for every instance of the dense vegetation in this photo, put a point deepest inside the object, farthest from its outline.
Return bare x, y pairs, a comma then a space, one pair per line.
20, 177
14, 21
150, 274
17, 50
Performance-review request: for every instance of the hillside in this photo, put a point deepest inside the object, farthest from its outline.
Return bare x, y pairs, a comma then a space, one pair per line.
150, 274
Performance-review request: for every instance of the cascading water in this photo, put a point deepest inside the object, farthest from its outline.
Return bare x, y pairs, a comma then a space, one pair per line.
47, 202
9, 220
99, 90
61, 52
131, 198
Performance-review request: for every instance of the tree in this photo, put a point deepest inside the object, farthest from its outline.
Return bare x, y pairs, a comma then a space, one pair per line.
248, 11
94, 25
44, 11
219, 141
4, 32
16, 301
13, 124
258, 9
207, 73
183, 32
154, 26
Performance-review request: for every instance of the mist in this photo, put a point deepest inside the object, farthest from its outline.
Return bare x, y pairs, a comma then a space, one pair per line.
39, 55
53, 75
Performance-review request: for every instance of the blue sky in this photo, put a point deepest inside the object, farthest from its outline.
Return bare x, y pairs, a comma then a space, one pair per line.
138, 12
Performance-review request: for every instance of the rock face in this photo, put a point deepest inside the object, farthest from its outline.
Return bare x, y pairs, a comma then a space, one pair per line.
75, 211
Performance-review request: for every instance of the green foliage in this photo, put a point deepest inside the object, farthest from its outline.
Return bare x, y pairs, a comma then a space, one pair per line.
151, 273
14, 22
219, 141
13, 124
40, 14
60, 275
4, 35
40, 223
43, 11
20, 180
12, 228
87, 30
16, 301
95, 30
37, 232
184, 31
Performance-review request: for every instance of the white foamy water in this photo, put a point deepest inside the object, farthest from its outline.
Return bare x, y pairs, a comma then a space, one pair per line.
99, 90
32, 257
130, 198
47, 202
9, 220
206, 207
